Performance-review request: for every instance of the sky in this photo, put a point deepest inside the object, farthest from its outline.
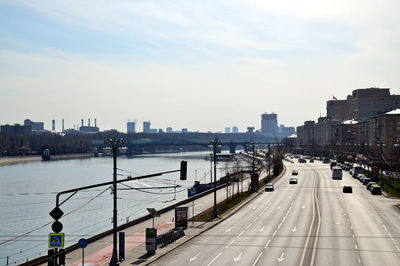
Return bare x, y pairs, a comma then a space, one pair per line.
202, 65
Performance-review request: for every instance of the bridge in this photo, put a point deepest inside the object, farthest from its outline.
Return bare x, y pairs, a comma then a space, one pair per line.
140, 141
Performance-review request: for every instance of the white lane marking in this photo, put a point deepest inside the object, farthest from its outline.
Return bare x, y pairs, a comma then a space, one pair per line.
254, 208
303, 207
266, 245
274, 233
359, 260
279, 207
259, 256
238, 257
384, 226
355, 246
249, 225
354, 236
230, 243
294, 229
241, 233
229, 229
281, 258
194, 258
279, 226
337, 223
261, 229
214, 259
255, 220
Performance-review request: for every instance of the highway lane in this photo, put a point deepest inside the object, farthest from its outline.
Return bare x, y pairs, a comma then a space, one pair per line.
259, 233
311, 223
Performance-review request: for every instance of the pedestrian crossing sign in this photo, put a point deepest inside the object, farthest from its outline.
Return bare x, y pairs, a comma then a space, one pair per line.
56, 240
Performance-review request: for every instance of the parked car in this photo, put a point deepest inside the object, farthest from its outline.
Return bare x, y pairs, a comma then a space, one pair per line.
269, 187
347, 189
295, 172
346, 168
359, 176
370, 184
375, 190
293, 180
332, 164
366, 181
357, 170
362, 178
302, 160
311, 160
326, 160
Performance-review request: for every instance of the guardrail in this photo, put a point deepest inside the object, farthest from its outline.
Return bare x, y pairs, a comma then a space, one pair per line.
170, 237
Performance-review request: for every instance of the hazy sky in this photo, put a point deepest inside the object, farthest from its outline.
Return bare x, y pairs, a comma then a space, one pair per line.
203, 65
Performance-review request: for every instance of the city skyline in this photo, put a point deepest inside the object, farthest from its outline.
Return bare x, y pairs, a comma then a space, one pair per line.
201, 66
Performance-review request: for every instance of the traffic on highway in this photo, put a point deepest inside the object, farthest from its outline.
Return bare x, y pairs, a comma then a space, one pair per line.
312, 215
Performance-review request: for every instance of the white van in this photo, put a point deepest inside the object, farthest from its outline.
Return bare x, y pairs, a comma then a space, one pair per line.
336, 172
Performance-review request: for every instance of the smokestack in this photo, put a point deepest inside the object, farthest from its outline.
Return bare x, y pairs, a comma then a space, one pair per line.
53, 125
82, 122
88, 122
95, 122
63, 125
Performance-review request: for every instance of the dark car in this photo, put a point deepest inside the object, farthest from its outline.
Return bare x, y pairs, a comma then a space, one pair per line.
366, 181
347, 189
347, 169
370, 184
311, 160
295, 172
375, 190
293, 180
361, 178
269, 187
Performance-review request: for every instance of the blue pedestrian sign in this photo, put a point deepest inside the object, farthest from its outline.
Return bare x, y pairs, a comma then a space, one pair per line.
82, 243
56, 240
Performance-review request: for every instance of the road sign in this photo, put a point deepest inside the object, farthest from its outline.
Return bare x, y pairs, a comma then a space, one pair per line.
82, 243
56, 240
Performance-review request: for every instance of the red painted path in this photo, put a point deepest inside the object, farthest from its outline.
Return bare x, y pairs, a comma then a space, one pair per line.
103, 256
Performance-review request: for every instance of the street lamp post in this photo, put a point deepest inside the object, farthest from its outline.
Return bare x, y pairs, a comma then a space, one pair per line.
114, 143
216, 143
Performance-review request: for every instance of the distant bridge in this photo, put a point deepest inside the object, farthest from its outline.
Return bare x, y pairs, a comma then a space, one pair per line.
232, 140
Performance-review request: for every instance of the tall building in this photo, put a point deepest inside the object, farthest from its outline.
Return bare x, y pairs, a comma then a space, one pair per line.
16, 129
235, 129
131, 127
169, 130
227, 130
338, 110
146, 126
363, 104
269, 124
36, 126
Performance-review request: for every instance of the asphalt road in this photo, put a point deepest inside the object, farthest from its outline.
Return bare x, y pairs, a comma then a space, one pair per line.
309, 223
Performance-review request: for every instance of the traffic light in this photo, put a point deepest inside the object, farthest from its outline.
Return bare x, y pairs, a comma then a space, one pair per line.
51, 260
61, 257
183, 170
56, 214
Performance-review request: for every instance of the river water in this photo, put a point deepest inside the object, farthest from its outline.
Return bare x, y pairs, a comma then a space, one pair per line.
28, 192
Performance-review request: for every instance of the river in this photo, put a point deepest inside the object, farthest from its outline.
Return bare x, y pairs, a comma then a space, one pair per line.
28, 192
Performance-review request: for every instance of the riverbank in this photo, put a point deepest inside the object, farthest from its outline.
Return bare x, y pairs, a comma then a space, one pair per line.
36, 158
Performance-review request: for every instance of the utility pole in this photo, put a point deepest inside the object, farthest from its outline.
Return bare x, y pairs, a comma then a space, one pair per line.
269, 162
214, 145
114, 143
